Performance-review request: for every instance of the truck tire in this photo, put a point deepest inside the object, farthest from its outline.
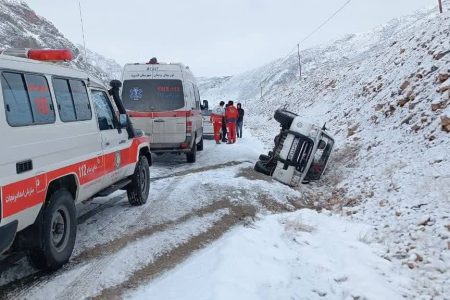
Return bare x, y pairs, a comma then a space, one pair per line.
139, 187
200, 145
284, 117
264, 157
59, 229
192, 156
261, 168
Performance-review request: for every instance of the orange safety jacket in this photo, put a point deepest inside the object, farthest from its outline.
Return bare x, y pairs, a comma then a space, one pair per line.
231, 114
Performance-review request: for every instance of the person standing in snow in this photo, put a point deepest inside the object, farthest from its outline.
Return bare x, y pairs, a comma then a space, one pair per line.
224, 127
231, 116
240, 120
217, 115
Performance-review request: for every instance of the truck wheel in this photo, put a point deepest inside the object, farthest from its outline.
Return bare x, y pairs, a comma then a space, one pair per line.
139, 187
264, 157
261, 168
200, 145
192, 156
284, 117
59, 229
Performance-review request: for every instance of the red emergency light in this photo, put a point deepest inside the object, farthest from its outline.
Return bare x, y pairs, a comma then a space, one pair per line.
41, 54
50, 55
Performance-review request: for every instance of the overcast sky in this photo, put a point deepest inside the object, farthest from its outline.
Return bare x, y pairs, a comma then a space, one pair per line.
213, 37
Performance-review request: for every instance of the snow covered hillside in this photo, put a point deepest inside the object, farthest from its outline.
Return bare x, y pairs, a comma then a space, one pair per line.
20, 27
385, 97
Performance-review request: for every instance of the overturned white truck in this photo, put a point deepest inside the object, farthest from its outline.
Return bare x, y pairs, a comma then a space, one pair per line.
301, 151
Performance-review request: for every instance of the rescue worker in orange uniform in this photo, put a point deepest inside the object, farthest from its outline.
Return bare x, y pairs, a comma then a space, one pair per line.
217, 115
231, 116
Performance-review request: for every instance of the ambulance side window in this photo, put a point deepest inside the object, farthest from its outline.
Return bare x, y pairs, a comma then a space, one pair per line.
39, 95
27, 99
72, 99
103, 110
80, 100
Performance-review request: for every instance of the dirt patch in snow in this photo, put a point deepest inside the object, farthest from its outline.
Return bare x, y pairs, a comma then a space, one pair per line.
251, 174
200, 170
272, 205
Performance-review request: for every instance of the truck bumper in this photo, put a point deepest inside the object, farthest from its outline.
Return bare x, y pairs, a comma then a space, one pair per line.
7, 235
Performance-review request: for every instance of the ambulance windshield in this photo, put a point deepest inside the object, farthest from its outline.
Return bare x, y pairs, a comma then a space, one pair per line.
152, 95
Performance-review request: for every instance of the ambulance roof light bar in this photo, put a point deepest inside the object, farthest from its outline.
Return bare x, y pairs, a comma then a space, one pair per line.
41, 54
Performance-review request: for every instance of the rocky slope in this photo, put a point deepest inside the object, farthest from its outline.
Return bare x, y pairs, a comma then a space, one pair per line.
385, 97
21, 27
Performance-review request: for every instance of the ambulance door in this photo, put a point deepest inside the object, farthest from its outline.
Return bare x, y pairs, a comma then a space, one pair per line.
115, 142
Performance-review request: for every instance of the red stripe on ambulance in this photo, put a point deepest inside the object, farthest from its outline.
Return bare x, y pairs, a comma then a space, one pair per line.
32, 191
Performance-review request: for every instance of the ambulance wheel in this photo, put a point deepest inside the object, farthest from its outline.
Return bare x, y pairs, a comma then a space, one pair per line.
59, 230
200, 145
192, 156
261, 168
284, 117
139, 187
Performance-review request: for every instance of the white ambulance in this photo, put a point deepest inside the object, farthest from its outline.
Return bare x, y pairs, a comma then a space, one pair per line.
163, 100
64, 140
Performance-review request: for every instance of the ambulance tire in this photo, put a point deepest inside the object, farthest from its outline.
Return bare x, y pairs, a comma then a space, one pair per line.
200, 145
59, 230
192, 156
138, 189
284, 117
261, 168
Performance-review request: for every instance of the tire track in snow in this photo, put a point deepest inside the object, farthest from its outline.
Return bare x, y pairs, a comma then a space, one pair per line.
178, 254
20, 288
200, 170
113, 269
26, 284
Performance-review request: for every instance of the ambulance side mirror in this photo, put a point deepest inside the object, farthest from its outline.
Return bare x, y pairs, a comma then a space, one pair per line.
123, 120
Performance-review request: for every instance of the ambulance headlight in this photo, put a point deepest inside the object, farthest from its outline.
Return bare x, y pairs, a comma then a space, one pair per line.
313, 132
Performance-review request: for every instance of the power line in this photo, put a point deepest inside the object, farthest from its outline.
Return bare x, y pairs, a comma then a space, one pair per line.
310, 35
326, 21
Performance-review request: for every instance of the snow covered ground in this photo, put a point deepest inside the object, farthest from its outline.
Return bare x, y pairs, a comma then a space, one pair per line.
119, 247
298, 255
209, 232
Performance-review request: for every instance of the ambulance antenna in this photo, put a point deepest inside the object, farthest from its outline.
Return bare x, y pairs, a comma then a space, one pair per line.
82, 31
324, 127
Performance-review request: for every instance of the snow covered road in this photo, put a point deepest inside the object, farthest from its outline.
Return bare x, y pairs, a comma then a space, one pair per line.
123, 251
118, 246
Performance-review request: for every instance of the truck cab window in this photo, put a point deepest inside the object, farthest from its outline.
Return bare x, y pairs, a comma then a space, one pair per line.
104, 111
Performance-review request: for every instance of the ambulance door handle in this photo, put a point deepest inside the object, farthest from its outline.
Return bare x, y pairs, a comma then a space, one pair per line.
159, 121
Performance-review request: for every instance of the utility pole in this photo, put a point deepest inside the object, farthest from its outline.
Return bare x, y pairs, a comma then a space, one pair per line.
261, 86
440, 6
299, 61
